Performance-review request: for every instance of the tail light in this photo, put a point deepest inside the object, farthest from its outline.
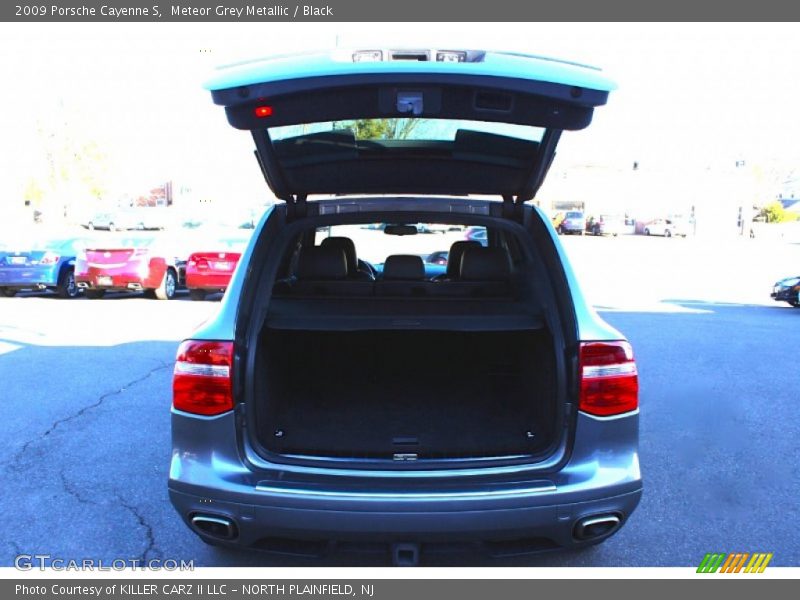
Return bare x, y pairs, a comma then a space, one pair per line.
201, 382
609, 380
49, 259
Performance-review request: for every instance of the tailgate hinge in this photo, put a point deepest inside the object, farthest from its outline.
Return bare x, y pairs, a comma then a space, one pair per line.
512, 208
296, 207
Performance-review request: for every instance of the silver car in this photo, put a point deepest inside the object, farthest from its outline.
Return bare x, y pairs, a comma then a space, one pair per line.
347, 391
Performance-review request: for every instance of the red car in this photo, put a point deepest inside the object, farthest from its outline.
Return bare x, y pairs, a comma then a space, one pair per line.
128, 264
209, 272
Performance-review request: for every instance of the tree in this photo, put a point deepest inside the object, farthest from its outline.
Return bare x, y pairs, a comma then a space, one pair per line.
775, 213
383, 129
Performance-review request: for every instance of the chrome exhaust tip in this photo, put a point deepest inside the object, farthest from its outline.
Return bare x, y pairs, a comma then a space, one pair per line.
217, 527
597, 526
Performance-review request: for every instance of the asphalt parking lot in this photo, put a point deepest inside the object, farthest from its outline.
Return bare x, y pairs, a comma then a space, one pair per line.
85, 443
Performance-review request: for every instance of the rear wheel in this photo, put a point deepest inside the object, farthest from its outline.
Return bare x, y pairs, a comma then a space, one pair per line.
66, 287
94, 294
166, 291
646, 231
667, 233
197, 294
8, 293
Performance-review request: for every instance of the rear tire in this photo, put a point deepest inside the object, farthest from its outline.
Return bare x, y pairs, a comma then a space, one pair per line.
667, 233
66, 287
646, 231
197, 294
8, 293
94, 294
166, 291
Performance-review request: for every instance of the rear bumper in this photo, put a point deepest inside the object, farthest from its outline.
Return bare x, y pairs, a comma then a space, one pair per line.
117, 279
422, 523
785, 295
207, 281
29, 277
208, 477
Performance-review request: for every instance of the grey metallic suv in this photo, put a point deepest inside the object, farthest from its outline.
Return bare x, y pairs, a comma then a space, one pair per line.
349, 391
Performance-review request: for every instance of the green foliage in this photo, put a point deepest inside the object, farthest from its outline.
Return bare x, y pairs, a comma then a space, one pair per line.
775, 213
383, 129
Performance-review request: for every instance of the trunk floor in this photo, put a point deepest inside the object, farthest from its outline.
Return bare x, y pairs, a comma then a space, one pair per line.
471, 419
357, 400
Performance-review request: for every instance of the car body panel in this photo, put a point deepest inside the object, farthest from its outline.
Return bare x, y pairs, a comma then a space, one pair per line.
21, 266
573, 222
668, 227
136, 264
787, 290
340, 64
218, 467
210, 270
486, 103
607, 225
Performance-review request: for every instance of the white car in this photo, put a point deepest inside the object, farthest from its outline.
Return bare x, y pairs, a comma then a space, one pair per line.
668, 227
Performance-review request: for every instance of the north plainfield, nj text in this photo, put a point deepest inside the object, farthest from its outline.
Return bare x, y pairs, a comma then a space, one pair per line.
252, 10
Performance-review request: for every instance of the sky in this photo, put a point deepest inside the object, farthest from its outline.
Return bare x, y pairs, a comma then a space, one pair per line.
691, 97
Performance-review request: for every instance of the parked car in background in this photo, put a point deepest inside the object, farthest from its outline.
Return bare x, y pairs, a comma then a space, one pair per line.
612, 225
573, 222
403, 411
477, 234
668, 227
110, 220
130, 264
210, 270
148, 218
437, 258
39, 265
787, 290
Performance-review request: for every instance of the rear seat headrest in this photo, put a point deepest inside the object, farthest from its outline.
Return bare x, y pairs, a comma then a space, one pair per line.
322, 262
407, 267
455, 255
485, 264
348, 247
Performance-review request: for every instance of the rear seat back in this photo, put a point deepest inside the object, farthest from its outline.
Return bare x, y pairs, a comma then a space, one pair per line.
322, 271
483, 272
348, 246
403, 275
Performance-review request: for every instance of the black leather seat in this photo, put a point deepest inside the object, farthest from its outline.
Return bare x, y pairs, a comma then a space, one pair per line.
403, 275
484, 272
322, 271
354, 269
454, 256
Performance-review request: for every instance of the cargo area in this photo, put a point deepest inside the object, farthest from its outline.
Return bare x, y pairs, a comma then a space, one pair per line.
405, 394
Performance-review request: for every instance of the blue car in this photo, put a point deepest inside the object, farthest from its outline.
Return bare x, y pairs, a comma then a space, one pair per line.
39, 265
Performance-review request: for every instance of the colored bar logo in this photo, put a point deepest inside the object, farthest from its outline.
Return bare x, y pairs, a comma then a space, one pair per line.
735, 563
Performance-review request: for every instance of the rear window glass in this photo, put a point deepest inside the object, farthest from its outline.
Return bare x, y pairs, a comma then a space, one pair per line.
408, 129
431, 242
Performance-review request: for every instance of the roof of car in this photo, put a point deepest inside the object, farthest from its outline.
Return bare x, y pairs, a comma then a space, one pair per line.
340, 62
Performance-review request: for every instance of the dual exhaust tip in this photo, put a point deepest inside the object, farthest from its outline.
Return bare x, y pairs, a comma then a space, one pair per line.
218, 527
596, 527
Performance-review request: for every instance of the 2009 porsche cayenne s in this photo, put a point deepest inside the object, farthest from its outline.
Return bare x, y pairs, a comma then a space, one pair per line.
345, 391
